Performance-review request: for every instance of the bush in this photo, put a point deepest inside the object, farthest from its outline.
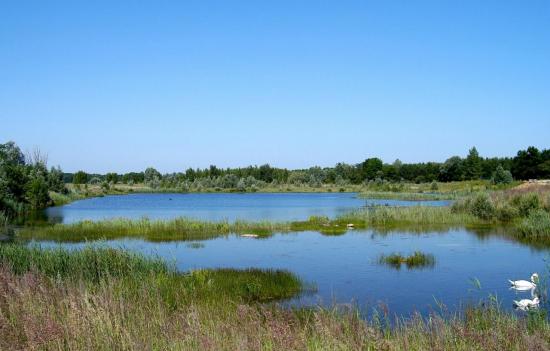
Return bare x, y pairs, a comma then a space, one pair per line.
526, 203
434, 186
502, 176
506, 213
482, 207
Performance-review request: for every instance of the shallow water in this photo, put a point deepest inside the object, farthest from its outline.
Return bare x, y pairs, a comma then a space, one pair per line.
345, 268
219, 206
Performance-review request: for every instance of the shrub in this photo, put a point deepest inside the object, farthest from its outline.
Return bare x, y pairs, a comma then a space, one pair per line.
502, 176
506, 213
526, 203
434, 186
482, 207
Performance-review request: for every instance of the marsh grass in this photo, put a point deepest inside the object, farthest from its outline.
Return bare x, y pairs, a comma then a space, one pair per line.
185, 229
416, 260
94, 264
89, 264
38, 312
409, 196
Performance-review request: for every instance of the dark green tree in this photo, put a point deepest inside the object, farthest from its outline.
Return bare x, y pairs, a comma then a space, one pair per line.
452, 170
472, 165
370, 168
80, 177
526, 163
111, 177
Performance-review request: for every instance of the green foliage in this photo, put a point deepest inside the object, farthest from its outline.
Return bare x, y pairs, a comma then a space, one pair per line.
525, 203
531, 164
506, 213
89, 264
502, 176
25, 184
111, 178
80, 177
482, 207
472, 165
536, 225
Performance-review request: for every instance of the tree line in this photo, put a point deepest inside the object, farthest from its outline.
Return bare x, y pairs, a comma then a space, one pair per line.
26, 182
527, 164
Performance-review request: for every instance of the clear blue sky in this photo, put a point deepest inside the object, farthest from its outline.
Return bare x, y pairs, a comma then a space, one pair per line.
118, 86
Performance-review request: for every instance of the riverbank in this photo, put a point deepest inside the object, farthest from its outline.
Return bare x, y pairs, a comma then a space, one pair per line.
115, 300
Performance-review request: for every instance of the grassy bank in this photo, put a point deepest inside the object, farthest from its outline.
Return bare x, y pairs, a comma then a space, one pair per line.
155, 309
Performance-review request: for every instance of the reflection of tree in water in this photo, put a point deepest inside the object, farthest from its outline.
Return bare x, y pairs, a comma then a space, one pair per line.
482, 233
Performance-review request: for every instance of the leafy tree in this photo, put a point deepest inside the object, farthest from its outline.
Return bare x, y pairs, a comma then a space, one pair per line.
151, 174
37, 190
526, 163
502, 176
452, 170
80, 177
111, 177
55, 180
370, 167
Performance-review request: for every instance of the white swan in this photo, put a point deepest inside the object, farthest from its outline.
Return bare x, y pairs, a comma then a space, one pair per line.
524, 284
526, 304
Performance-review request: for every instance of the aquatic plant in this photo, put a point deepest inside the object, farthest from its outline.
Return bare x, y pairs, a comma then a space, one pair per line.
536, 225
415, 260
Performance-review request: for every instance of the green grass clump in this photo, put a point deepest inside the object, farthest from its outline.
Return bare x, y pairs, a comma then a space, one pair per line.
98, 264
536, 225
89, 264
415, 260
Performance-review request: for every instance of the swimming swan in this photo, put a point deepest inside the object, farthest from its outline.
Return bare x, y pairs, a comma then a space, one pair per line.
524, 284
526, 304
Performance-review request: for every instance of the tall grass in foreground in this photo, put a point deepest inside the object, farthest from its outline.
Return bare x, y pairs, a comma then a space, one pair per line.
37, 312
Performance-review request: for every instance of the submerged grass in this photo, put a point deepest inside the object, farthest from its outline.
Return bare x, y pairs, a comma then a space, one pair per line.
215, 310
416, 260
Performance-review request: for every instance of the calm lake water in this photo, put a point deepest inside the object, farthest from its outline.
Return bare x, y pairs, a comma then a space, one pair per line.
219, 206
344, 268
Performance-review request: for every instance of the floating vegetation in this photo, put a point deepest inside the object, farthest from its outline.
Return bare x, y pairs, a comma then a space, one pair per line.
416, 260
